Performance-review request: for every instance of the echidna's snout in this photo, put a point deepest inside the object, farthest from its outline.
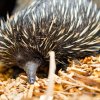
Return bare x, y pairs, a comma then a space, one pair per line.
31, 80
30, 69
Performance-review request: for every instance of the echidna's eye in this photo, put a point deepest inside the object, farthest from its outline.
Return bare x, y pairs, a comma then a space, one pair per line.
20, 62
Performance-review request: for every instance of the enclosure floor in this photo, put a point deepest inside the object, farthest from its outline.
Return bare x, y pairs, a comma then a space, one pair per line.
80, 81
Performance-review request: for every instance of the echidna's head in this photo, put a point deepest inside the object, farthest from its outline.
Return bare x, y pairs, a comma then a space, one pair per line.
29, 61
25, 58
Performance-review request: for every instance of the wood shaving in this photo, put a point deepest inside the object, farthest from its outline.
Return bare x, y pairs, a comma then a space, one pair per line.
80, 81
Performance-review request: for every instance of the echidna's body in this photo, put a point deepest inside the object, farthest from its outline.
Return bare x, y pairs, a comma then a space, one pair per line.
71, 28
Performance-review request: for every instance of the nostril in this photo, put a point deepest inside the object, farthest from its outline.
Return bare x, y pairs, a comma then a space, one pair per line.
32, 80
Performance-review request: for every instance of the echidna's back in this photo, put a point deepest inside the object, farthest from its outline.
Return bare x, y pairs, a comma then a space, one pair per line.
68, 27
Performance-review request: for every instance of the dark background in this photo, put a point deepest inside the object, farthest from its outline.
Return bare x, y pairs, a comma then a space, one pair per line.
6, 6
12, 6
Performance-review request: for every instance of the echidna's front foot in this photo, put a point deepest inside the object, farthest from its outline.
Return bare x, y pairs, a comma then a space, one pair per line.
17, 71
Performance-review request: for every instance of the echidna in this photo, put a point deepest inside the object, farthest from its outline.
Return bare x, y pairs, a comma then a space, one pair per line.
71, 28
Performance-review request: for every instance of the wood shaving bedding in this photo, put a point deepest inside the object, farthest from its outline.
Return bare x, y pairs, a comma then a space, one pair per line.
80, 81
